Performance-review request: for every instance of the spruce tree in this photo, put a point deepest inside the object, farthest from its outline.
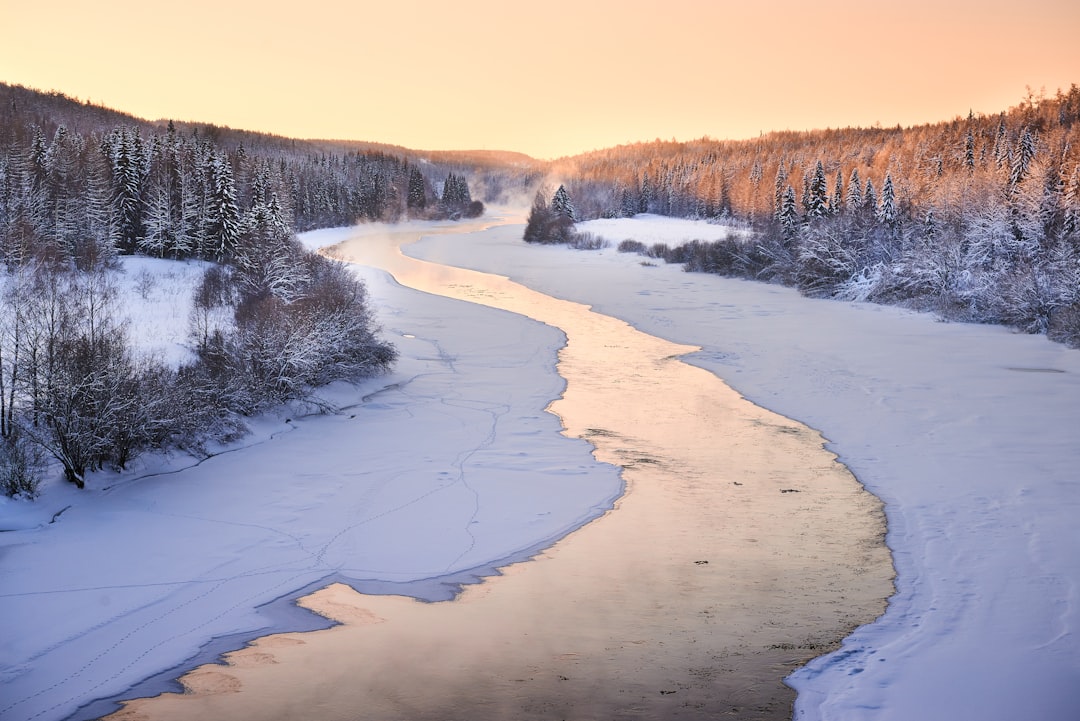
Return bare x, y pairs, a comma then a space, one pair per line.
224, 215
887, 213
562, 205
870, 197
817, 194
1001, 143
836, 204
1025, 152
854, 197
127, 188
645, 199
417, 195
789, 215
778, 190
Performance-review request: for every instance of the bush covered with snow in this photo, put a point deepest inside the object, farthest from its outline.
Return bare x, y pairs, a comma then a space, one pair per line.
76, 386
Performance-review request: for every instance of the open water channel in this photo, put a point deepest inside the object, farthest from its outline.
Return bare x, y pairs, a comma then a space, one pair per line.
740, 550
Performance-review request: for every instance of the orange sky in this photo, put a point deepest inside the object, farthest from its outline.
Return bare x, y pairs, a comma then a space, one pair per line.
544, 78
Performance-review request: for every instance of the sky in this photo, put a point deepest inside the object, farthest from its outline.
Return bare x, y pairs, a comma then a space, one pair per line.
547, 79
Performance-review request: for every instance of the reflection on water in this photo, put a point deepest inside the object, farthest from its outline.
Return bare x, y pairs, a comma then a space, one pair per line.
740, 550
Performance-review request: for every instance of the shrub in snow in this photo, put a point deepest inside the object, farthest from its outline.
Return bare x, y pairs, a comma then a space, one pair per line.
282, 340
21, 466
587, 241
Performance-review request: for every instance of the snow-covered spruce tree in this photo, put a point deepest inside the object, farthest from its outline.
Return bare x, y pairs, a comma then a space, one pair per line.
223, 216
789, 214
969, 151
645, 196
629, 205
1021, 159
816, 195
562, 205
545, 224
417, 195
1001, 143
170, 230
870, 201
887, 213
96, 244
779, 189
125, 150
853, 200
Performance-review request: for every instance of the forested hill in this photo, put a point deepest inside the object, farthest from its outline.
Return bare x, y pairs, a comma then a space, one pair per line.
941, 166
977, 218
79, 180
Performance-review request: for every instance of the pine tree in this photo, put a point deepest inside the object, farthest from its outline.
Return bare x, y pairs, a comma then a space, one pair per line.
854, 199
451, 191
789, 215
97, 246
127, 189
1001, 143
778, 190
1025, 151
836, 204
224, 215
887, 213
562, 205
817, 194
417, 194
870, 197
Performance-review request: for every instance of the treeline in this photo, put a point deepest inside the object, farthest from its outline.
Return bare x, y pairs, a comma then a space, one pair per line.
82, 197
977, 218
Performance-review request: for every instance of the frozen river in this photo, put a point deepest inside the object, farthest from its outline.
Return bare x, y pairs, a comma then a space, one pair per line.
739, 550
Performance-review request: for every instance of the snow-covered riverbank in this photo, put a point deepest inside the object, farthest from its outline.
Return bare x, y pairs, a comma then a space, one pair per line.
968, 433
430, 476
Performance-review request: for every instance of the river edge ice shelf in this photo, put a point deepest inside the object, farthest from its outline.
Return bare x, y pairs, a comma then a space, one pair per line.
431, 477
966, 432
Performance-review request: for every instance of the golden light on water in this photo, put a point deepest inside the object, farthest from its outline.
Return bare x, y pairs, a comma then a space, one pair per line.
547, 79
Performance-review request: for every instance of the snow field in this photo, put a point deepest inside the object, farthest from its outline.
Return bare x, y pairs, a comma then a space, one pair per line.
651, 229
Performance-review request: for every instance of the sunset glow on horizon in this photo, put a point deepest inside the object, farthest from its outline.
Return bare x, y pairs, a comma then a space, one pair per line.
546, 80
